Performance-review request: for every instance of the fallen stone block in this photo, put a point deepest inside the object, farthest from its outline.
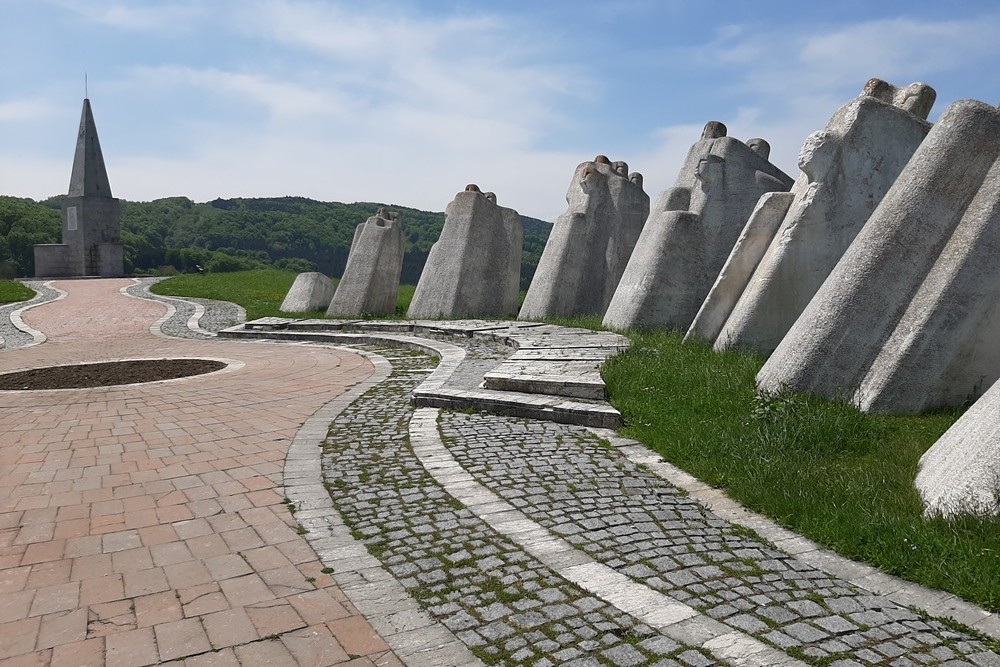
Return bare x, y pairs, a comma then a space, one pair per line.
310, 291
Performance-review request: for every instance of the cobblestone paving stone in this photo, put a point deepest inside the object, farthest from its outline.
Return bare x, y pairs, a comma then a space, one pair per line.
507, 607
11, 336
217, 316
583, 490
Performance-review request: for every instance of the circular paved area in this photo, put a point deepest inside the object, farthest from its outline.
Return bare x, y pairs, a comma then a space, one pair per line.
296, 509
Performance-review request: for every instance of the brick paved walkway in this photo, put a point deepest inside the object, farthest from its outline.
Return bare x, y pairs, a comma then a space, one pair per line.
141, 524
152, 523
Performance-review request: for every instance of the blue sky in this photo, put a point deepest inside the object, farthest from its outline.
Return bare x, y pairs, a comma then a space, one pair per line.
405, 102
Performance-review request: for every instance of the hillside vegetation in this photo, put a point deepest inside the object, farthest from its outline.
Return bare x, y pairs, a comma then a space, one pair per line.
293, 233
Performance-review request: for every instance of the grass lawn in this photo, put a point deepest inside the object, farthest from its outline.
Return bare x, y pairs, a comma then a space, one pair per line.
841, 477
826, 470
12, 291
260, 292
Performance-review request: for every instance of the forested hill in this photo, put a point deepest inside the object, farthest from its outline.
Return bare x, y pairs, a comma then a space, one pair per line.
234, 234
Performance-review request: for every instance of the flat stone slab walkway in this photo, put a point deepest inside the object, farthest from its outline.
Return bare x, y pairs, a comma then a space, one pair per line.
305, 506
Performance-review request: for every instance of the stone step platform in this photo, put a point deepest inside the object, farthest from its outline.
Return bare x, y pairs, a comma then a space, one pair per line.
551, 372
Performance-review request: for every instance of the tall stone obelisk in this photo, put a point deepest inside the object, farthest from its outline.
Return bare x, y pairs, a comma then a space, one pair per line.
91, 216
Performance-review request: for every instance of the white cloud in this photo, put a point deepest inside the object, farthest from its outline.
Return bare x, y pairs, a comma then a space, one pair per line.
14, 111
162, 16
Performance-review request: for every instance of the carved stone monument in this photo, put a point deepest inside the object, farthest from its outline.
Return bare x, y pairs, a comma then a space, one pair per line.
590, 243
474, 268
370, 282
960, 473
846, 170
91, 217
691, 231
907, 319
310, 291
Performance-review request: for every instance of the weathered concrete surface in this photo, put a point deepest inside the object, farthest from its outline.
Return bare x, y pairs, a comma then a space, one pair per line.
370, 283
944, 350
590, 244
474, 268
960, 473
691, 230
754, 241
310, 291
832, 346
91, 216
846, 170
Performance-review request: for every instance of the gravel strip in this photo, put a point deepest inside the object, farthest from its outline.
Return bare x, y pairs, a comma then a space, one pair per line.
11, 336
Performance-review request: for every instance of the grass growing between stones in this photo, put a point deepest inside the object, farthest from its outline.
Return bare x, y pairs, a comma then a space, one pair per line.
12, 291
841, 477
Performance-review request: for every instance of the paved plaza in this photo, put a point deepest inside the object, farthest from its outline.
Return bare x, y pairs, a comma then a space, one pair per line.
298, 508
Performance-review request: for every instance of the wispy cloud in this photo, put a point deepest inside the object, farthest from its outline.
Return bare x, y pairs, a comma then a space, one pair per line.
168, 16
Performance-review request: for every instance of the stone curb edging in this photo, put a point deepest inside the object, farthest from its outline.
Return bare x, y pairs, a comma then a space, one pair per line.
674, 619
433, 392
902, 592
156, 328
415, 638
37, 337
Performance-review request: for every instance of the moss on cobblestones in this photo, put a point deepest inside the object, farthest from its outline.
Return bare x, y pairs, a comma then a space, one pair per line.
507, 607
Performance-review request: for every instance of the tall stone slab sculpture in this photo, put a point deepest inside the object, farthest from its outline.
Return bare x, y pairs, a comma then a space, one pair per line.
691, 231
310, 291
370, 282
474, 268
918, 281
960, 473
91, 217
846, 170
590, 244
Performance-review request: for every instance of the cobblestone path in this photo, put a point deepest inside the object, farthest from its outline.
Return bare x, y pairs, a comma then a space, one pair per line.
509, 608
577, 486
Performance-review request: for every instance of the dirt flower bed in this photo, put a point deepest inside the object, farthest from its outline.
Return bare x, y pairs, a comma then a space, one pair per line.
107, 374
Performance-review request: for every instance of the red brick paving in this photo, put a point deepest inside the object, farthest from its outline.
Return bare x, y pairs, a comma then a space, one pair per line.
144, 523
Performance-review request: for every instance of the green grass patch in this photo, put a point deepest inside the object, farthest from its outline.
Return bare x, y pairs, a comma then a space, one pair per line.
841, 477
260, 292
12, 291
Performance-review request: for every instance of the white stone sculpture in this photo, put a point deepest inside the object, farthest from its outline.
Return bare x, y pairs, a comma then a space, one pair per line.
590, 243
691, 230
370, 282
846, 170
474, 268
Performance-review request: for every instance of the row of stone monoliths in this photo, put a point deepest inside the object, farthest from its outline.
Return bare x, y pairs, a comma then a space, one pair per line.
873, 277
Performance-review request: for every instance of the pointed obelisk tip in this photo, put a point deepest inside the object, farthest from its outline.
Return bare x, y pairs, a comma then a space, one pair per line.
90, 176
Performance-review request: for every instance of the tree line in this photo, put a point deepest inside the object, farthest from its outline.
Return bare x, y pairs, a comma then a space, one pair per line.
176, 234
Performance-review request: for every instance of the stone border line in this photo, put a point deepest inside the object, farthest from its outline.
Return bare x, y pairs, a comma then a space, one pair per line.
37, 337
674, 619
193, 322
417, 639
900, 591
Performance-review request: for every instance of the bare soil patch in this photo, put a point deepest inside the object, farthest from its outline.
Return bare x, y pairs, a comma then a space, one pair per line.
107, 374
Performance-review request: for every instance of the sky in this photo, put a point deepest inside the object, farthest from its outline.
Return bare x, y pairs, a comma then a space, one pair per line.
405, 102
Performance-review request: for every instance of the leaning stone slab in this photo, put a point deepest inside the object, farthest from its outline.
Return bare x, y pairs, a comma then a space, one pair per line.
750, 248
846, 170
833, 344
474, 268
590, 243
944, 351
370, 282
310, 291
691, 231
960, 473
